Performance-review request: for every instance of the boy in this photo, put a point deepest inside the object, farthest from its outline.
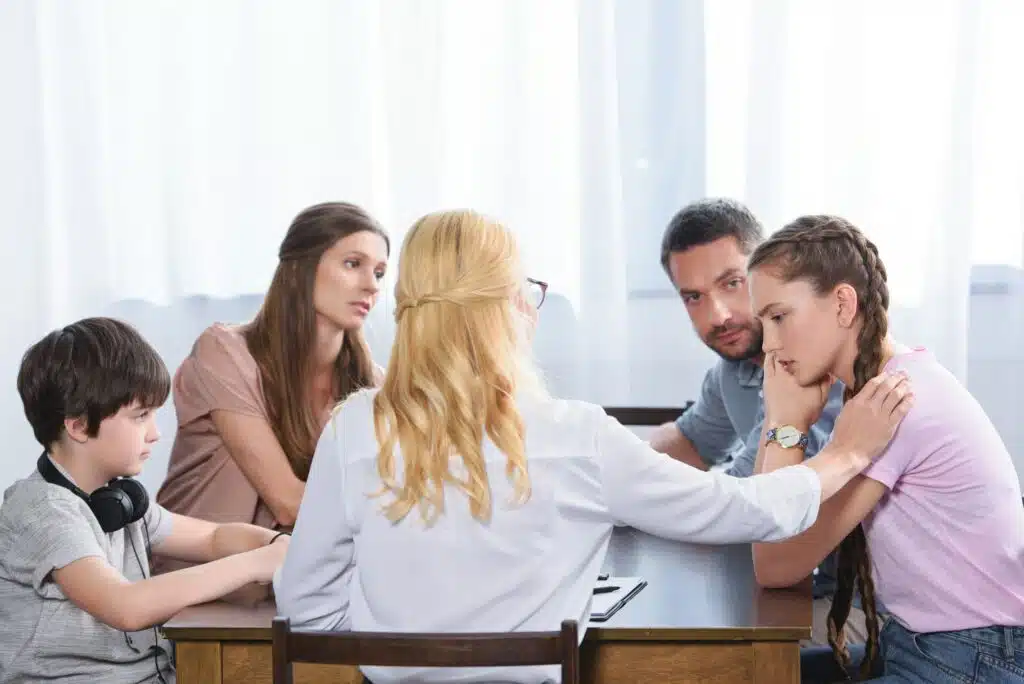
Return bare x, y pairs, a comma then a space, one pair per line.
76, 602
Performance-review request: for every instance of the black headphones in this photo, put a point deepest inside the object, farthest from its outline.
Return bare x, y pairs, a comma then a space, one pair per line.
116, 505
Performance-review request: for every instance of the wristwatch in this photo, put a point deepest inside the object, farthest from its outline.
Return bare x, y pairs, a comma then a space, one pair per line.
787, 437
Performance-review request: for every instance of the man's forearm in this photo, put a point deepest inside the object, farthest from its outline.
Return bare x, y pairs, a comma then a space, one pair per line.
690, 457
669, 440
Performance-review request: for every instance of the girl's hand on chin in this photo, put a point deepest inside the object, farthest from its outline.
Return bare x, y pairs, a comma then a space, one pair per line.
786, 402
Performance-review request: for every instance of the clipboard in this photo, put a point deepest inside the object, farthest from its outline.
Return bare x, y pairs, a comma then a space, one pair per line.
605, 605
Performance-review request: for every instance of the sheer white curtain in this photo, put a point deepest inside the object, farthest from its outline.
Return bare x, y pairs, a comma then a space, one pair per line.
901, 116
904, 116
157, 150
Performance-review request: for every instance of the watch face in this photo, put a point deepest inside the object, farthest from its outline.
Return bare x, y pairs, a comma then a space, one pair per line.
787, 436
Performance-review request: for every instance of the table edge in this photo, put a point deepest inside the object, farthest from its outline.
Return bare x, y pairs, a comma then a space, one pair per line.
594, 634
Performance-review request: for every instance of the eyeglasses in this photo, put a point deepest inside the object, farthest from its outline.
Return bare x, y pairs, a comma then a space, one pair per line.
537, 290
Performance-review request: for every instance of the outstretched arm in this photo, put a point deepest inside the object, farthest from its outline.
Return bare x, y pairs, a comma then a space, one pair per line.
670, 499
202, 541
788, 562
67, 550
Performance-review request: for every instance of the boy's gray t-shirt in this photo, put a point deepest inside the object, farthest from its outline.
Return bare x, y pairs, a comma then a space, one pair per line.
43, 635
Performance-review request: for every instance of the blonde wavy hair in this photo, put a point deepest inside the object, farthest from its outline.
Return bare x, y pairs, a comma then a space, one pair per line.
458, 361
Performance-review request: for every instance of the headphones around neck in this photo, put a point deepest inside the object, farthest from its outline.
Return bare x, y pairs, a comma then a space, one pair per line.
115, 505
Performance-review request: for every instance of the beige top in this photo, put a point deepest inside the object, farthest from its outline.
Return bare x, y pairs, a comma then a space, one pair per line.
203, 480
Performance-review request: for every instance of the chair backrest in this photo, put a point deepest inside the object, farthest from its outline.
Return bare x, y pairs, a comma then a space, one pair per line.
644, 416
425, 650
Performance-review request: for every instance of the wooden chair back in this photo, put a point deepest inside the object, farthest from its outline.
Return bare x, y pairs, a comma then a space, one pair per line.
425, 650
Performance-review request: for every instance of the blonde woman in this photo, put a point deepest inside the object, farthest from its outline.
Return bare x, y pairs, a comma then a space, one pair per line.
460, 497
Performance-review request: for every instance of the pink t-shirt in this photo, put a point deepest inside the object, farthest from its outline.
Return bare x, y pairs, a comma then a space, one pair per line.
947, 539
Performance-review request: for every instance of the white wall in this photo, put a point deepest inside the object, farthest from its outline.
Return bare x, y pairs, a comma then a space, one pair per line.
995, 364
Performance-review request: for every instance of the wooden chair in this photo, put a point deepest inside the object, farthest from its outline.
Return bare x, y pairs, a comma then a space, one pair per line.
425, 650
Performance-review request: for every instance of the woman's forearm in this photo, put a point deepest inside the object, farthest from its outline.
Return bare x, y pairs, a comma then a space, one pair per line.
771, 456
285, 502
232, 538
835, 465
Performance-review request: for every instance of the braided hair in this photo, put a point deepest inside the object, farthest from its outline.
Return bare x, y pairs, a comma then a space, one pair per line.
827, 251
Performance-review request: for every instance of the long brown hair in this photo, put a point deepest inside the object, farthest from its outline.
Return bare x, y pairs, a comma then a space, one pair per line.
282, 335
827, 251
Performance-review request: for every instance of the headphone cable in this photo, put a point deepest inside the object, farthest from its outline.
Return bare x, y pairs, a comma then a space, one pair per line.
156, 634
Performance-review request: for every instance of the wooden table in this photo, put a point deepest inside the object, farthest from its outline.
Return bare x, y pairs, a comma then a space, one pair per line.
700, 619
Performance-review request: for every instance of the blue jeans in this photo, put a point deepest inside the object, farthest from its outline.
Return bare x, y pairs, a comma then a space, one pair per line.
818, 665
987, 655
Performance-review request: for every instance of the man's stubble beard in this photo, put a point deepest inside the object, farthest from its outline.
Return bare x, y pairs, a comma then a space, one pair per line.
753, 350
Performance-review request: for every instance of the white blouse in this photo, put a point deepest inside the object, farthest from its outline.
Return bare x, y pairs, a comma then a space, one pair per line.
533, 564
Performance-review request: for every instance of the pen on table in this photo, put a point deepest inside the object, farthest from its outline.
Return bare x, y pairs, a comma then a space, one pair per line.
605, 589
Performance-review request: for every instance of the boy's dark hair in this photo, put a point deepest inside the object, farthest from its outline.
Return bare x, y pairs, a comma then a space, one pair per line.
89, 369
707, 220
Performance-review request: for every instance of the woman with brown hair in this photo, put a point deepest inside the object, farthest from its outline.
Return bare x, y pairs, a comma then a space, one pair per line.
251, 400
933, 529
